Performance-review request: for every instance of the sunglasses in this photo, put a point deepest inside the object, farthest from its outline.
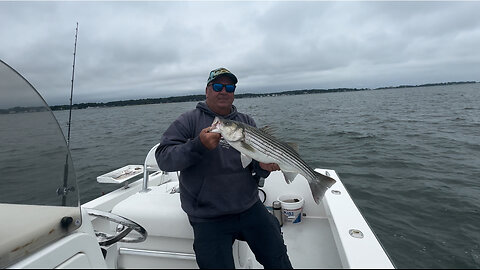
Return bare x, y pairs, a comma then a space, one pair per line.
230, 88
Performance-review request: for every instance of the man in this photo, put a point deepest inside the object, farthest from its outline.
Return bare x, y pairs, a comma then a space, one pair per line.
219, 196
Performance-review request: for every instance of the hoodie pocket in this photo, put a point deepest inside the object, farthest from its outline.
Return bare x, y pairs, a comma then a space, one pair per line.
226, 194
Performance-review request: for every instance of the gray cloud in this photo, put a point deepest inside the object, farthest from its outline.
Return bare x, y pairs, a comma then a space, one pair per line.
155, 49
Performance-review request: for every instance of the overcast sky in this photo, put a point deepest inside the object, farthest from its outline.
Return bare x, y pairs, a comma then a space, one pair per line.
132, 50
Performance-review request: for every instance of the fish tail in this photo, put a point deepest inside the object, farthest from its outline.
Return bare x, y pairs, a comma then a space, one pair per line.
319, 186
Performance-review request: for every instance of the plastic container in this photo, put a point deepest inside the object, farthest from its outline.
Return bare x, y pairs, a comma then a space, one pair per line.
292, 206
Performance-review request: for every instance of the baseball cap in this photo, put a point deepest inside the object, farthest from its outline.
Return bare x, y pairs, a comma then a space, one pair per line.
221, 71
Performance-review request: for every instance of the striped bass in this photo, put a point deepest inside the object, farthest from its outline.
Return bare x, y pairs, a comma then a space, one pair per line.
257, 144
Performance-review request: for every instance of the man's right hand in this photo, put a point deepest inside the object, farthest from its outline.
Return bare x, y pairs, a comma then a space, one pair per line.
209, 139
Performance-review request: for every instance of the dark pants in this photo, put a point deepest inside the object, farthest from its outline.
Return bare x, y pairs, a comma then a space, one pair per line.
260, 229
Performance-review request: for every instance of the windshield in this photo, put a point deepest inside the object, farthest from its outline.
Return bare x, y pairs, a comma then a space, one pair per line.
37, 179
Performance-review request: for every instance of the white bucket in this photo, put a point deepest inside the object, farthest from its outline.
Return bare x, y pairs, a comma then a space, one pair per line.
292, 206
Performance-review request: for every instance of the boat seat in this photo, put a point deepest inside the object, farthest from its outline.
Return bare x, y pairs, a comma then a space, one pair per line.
158, 212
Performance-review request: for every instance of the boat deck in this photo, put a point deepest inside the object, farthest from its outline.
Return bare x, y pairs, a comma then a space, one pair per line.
311, 250
321, 240
310, 243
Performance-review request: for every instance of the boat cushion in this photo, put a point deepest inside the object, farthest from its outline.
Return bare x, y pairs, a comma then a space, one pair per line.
158, 212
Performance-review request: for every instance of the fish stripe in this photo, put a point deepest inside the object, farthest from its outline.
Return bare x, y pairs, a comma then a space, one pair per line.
269, 148
264, 143
269, 138
274, 144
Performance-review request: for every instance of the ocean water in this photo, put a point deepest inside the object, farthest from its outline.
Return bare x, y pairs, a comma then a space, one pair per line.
409, 157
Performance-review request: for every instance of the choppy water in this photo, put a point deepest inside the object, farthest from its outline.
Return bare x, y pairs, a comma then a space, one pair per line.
410, 158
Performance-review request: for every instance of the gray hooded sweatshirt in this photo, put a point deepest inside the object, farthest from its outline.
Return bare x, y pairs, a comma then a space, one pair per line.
213, 183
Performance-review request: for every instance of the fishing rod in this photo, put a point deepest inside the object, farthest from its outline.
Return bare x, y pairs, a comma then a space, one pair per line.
65, 189
71, 88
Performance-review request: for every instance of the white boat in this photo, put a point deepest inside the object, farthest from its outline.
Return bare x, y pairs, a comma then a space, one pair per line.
141, 224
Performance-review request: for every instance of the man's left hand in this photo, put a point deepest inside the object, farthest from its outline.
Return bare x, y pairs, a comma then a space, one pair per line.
269, 166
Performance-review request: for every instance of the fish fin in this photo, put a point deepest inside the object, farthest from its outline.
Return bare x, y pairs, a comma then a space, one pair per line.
246, 160
289, 176
292, 145
269, 130
247, 146
319, 186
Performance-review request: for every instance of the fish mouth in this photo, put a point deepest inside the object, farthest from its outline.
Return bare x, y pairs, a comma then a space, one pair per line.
216, 125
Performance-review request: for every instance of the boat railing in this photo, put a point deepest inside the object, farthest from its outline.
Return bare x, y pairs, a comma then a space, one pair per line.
149, 166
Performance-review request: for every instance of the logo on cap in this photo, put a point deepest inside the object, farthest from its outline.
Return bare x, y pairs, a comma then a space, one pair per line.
221, 71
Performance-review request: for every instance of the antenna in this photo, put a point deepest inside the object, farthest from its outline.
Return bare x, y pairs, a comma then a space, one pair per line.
64, 191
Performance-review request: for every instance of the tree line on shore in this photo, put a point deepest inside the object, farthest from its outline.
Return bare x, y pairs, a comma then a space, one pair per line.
193, 98
237, 96
202, 97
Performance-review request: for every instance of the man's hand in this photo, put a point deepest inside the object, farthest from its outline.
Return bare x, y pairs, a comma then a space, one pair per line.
209, 139
269, 166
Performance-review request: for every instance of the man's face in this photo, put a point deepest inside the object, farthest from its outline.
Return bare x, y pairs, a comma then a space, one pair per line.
220, 102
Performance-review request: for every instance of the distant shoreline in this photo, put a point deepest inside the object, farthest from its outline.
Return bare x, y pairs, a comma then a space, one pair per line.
237, 96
